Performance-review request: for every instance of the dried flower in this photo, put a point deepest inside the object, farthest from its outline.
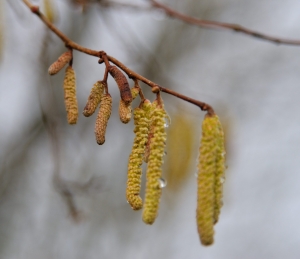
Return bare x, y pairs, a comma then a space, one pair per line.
70, 95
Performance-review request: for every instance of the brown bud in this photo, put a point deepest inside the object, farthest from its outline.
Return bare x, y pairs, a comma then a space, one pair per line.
122, 83
102, 118
93, 99
63, 60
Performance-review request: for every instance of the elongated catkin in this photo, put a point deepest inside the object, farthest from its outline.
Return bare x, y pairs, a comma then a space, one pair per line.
70, 95
63, 60
122, 83
155, 161
93, 99
209, 183
134, 173
124, 111
102, 118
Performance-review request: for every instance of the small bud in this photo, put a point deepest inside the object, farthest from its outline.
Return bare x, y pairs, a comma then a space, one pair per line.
63, 60
93, 99
155, 161
211, 168
122, 83
102, 118
124, 111
135, 92
70, 95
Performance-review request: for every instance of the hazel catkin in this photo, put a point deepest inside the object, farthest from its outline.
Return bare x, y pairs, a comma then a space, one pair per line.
155, 161
211, 167
63, 60
70, 95
134, 173
94, 99
122, 83
124, 111
102, 118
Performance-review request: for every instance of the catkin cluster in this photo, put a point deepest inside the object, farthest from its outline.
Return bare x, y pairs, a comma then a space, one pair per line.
211, 172
134, 173
155, 161
102, 118
93, 99
70, 95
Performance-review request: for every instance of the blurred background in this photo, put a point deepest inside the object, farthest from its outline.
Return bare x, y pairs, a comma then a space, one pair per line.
63, 196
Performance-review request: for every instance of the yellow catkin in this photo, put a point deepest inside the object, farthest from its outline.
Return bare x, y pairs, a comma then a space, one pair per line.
155, 161
134, 173
70, 95
134, 92
50, 11
63, 60
102, 118
124, 111
93, 99
209, 193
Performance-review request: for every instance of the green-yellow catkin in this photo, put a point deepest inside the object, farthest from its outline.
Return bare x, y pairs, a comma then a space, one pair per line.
50, 11
63, 60
134, 173
93, 99
102, 118
209, 182
124, 111
134, 92
70, 95
155, 161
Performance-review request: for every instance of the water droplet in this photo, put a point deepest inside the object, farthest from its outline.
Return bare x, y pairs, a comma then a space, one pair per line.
222, 179
162, 182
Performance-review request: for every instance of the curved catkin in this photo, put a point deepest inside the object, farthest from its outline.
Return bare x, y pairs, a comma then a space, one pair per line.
63, 60
124, 111
93, 99
209, 188
102, 118
155, 161
134, 173
122, 83
70, 95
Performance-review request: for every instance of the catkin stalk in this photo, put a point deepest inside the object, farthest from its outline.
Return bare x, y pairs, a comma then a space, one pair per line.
102, 118
210, 167
155, 161
70, 95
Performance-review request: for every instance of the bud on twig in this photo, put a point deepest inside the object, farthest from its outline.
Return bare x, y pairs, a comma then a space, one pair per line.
63, 60
122, 83
93, 99
70, 95
102, 118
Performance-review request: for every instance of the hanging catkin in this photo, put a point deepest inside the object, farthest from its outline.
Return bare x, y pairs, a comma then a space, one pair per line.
155, 161
93, 99
124, 111
134, 173
70, 95
211, 168
63, 60
102, 118
122, 83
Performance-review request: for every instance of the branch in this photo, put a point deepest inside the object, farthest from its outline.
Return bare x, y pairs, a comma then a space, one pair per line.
224, 26
131, 74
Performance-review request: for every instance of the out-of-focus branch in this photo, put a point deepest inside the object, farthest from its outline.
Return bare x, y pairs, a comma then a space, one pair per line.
131, 74
224, 26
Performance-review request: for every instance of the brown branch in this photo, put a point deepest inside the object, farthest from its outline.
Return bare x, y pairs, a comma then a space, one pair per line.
131, 74
224, 26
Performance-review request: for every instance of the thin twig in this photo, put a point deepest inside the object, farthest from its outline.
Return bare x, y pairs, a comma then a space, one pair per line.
224, 26
131, 74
